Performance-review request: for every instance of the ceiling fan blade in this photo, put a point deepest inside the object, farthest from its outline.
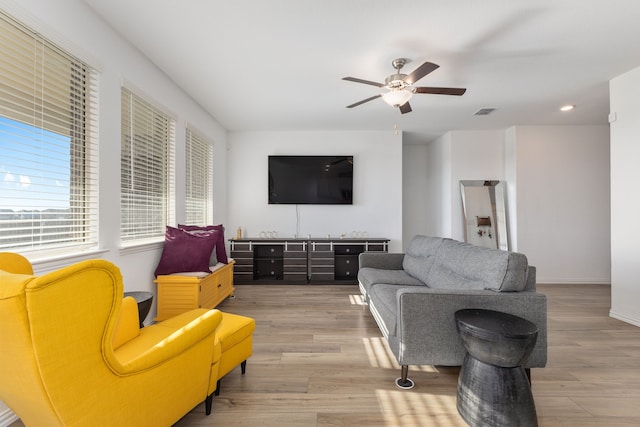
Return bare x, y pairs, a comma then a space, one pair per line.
420, 72
363, 101
441, 90
367, 82
405, 108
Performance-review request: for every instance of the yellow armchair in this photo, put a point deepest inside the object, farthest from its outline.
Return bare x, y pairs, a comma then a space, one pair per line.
73, 353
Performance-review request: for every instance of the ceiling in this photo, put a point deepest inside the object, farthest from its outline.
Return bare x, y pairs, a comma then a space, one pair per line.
278, 64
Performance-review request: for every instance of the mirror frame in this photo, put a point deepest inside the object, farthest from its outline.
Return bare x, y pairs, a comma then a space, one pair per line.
497, 195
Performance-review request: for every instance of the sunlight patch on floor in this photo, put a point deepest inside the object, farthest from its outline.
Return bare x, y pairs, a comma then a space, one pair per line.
381, 356
379, 353
410, 408
357, 300
423, 368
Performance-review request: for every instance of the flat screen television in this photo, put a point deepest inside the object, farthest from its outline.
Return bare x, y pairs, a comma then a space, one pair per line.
311, 180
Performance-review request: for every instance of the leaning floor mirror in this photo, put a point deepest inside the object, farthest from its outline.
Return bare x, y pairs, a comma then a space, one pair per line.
485, 215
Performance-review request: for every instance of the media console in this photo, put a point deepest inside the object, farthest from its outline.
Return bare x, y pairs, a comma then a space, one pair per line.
300, 261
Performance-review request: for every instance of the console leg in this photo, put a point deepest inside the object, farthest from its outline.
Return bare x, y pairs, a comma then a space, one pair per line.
404, 382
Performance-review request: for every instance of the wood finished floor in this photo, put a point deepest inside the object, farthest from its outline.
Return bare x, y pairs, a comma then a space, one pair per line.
319, 360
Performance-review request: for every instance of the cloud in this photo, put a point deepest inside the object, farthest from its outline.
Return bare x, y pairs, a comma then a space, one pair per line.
8, 177
25, 182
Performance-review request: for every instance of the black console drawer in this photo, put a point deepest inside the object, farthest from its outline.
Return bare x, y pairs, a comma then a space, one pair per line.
267, 251
267, 269
346, 267
348, 249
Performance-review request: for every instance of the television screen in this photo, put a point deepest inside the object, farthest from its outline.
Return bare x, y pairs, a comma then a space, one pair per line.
312, 180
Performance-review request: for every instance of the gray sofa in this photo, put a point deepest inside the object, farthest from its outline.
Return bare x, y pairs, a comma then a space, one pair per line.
413, 298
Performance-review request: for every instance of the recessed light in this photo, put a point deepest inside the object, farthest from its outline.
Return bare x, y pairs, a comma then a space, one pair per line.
567, 107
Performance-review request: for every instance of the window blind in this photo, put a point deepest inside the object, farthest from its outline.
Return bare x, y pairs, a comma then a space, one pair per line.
199, 179
147, 174
48, 144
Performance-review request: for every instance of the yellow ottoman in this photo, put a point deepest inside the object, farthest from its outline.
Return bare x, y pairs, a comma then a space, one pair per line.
235, 334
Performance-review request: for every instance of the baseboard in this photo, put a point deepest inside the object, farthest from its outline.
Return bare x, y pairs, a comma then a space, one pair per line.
551, 281
632, 320
7, 417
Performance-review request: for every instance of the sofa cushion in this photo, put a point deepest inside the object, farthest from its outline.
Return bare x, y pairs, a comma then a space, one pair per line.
383, 304
368, 277
420, 255
516, 276
460, 265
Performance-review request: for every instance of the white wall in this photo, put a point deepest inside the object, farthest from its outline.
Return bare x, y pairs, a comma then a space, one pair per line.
563, 202
438, 185
73, 26
414, 195
511, 178
377, 205
625, 203
475, 155
456, 156
557, 193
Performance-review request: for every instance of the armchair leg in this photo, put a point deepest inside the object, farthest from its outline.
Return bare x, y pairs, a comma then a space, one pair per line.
404, 382
208, 403
243, 368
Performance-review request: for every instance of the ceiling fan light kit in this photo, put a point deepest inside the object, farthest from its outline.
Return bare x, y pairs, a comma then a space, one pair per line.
397, 97
400, 86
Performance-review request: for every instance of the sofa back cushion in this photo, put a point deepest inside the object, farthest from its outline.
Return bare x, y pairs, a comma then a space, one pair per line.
459, 265
420, 255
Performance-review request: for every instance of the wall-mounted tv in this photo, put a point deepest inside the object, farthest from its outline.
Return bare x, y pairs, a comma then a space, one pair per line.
311, 180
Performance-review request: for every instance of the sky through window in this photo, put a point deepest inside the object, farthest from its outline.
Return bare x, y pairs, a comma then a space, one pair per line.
35, 167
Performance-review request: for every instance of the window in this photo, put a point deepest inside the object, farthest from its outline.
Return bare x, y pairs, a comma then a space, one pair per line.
147, 176
48, 144
199, 179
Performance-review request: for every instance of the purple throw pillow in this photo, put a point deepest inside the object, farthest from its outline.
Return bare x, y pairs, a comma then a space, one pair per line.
186, 252
221, 249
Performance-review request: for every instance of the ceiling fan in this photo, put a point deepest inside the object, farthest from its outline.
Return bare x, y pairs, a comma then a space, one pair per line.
400, 86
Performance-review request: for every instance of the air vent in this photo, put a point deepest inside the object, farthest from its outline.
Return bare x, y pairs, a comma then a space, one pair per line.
484, 111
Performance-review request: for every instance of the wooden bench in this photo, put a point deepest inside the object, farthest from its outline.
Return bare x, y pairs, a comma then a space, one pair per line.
182, 292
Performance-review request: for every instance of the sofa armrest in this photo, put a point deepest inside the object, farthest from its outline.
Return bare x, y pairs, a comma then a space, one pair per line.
531, 279
426, 327
382, 260
166, 340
